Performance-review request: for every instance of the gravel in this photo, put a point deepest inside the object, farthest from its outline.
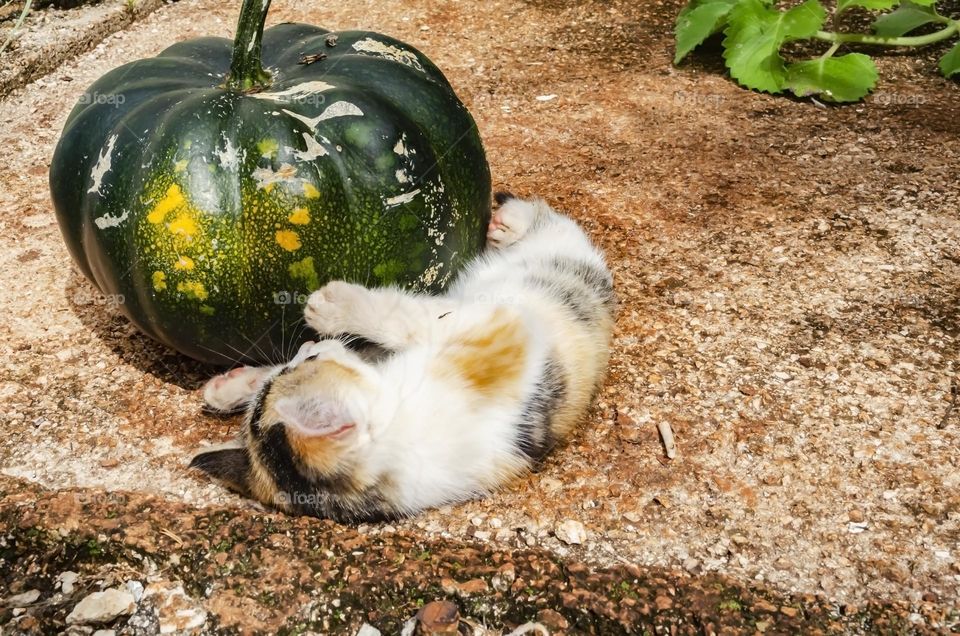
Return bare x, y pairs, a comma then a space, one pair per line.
787, 278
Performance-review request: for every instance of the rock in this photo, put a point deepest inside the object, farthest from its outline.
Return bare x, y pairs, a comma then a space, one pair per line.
571, 532
135, 588
439, 618
23, 599
553, 619
663, 602
789, 611
176, 611
102, 607
368, 630
66, 580
105, 632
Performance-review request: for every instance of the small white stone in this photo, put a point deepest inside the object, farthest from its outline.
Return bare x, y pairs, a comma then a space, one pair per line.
105, 632
22, 599
135, 588
496, 523
66, 580
102, 607
368, 630
571, 532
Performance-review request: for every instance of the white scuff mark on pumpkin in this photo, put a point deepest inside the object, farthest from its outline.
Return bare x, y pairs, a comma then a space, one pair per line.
103, 165
402, 176
229, 157
400, 147
401, 199
430, 275
336, 109
265, 177
109, 220
297, 93
393, 53
314, 149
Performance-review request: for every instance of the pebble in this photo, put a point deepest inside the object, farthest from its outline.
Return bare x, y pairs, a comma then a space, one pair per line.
102, 607
136, 589
439, 617
23, 599
105, 632
368, 630
66, 580
571, 532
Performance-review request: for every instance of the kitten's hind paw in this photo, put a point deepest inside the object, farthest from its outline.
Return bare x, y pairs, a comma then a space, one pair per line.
232, 391
510, 222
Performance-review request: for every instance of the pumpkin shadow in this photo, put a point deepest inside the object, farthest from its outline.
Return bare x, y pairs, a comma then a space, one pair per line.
103, 316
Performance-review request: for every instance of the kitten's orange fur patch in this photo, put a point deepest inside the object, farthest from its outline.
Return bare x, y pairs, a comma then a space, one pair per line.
318, 452
490, 358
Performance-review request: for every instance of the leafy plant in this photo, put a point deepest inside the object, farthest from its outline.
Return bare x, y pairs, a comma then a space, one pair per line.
755, 31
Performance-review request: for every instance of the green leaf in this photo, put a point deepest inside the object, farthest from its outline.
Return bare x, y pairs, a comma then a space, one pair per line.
754, 35
950, 63
847, 78
697, 21
874, 5
908, 16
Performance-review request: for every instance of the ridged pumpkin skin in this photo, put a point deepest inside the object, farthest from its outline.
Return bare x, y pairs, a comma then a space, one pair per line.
214, 212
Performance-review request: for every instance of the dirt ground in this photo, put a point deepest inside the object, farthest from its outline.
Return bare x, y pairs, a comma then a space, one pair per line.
789, 284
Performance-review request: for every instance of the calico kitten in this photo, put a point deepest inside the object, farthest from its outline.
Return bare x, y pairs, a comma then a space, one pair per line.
477, 387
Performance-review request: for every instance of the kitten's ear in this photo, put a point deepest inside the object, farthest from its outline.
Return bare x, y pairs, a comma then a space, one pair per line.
503, 196
230, 466
314, 417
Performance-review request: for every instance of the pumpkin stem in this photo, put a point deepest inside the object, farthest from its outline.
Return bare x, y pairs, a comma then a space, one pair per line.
246, 72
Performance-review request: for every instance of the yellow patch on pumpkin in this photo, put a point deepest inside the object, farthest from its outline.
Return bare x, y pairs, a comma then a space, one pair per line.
288, 240
170, 202
184, 263
159, 281
310, 191
268, 147
193, 289
300, 216
183, 226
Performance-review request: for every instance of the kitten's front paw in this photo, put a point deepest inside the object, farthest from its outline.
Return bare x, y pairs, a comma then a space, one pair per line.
231, 391
510, 222
329, 308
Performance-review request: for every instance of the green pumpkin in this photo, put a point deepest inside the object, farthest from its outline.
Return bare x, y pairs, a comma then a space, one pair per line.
215, 186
